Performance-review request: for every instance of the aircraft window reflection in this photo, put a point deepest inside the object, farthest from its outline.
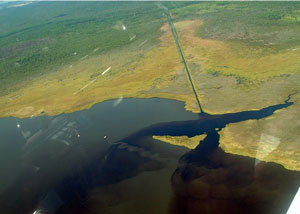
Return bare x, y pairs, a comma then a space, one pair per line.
149, 107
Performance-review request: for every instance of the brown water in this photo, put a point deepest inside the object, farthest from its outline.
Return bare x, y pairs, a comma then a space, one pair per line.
104, 160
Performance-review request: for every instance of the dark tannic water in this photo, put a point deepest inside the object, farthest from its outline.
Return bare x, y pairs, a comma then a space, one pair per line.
102, 160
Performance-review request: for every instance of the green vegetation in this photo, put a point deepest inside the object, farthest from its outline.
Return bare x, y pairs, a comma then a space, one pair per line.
274, 24
243, 55
42, 36
251, 41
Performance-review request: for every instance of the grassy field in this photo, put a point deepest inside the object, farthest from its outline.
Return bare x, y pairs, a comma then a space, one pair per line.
185, 141
255, 23
249, 38
234, 40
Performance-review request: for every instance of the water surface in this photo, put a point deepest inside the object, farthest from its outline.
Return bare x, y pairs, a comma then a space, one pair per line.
104, 160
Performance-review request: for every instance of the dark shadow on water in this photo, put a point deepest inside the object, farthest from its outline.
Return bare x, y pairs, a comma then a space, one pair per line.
207, 180
205, 123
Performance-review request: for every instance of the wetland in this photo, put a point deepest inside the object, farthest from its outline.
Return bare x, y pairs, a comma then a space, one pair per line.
97, 113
